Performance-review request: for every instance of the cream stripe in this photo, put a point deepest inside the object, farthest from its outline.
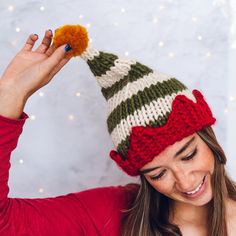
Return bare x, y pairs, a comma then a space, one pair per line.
89, 54
133, 87
143, 116
116, 73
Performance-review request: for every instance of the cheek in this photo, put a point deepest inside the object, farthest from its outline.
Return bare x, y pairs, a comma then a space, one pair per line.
207, 161
165, 187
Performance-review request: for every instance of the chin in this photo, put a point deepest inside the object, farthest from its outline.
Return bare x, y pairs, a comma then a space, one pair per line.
205, 201
200, 202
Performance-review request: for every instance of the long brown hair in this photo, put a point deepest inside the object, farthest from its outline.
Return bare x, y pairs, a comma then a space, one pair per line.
150, 212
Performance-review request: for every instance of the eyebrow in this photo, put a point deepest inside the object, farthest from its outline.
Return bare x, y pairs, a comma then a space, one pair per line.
176, 154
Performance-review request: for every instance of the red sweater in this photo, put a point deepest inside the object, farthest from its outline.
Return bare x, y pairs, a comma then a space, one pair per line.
91, 212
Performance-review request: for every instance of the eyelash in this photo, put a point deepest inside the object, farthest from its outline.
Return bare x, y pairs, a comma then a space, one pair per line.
191, 155
188, 158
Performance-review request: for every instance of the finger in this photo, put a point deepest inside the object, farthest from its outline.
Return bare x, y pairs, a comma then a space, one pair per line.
50, 50
45, 44
30, 42
57, 56
59, 66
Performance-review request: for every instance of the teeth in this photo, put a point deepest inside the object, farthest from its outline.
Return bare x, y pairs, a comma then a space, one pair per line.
196, 190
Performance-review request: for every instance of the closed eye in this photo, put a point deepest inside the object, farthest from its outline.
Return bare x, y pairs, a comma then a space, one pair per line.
189, 157
158, 176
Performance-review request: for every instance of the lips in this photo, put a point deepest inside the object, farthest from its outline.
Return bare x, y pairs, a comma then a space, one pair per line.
197, 191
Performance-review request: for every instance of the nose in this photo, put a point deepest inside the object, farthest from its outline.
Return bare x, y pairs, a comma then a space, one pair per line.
183, 181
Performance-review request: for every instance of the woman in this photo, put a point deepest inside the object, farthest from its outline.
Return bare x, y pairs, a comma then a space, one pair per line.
190, 190
184, 189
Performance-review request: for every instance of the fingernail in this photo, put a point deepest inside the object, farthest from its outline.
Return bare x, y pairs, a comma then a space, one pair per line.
36, 35
50, 31
68, 47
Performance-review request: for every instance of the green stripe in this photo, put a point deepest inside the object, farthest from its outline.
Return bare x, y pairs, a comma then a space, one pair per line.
124, 145
136, 72
145, 97
102, 63
123, 148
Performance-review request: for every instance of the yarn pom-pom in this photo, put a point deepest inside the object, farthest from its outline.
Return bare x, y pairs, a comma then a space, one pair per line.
75, 35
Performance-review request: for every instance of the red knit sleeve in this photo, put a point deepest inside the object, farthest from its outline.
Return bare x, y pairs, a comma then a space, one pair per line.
105, 206
91, 212
10, 130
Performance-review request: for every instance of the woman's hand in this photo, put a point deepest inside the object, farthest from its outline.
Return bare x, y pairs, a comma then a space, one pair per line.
30, 70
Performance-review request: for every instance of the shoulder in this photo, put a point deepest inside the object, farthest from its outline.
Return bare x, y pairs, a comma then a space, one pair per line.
110, 194
105, 205
109, 199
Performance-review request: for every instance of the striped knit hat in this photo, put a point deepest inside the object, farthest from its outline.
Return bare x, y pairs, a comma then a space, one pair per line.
147, 110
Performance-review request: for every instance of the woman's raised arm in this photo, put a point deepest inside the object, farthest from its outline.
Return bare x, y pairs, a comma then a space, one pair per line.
91, 212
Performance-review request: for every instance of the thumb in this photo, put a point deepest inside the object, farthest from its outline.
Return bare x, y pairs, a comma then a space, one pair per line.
57, 56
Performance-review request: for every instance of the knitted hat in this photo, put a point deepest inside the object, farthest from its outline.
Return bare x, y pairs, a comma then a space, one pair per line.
147, 110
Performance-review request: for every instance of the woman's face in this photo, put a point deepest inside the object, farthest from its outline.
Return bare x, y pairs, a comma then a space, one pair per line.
183, 171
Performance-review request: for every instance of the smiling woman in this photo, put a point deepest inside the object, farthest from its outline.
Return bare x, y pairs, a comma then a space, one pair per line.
185, 192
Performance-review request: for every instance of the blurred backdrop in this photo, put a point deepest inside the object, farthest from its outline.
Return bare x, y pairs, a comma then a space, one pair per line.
65, 143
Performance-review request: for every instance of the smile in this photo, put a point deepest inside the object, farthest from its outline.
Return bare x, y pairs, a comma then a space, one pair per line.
198, 190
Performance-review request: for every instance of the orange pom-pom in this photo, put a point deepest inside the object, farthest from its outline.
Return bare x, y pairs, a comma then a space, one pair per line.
75, 35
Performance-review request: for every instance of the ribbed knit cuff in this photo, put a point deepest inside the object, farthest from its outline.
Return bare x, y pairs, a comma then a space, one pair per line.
10, 130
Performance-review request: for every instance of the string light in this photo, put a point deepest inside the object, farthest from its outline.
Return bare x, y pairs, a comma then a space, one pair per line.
71, 117
199, 37
194, 19
90, 40
231, 98
226, 110
41, 190
21, 161
126, 53
88, 25
32, 117
208, 54
122, 10
171, 55
155, 20
81, 16
42, 8
10, 8
41, 94
17, 29
78, 94
161, 44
